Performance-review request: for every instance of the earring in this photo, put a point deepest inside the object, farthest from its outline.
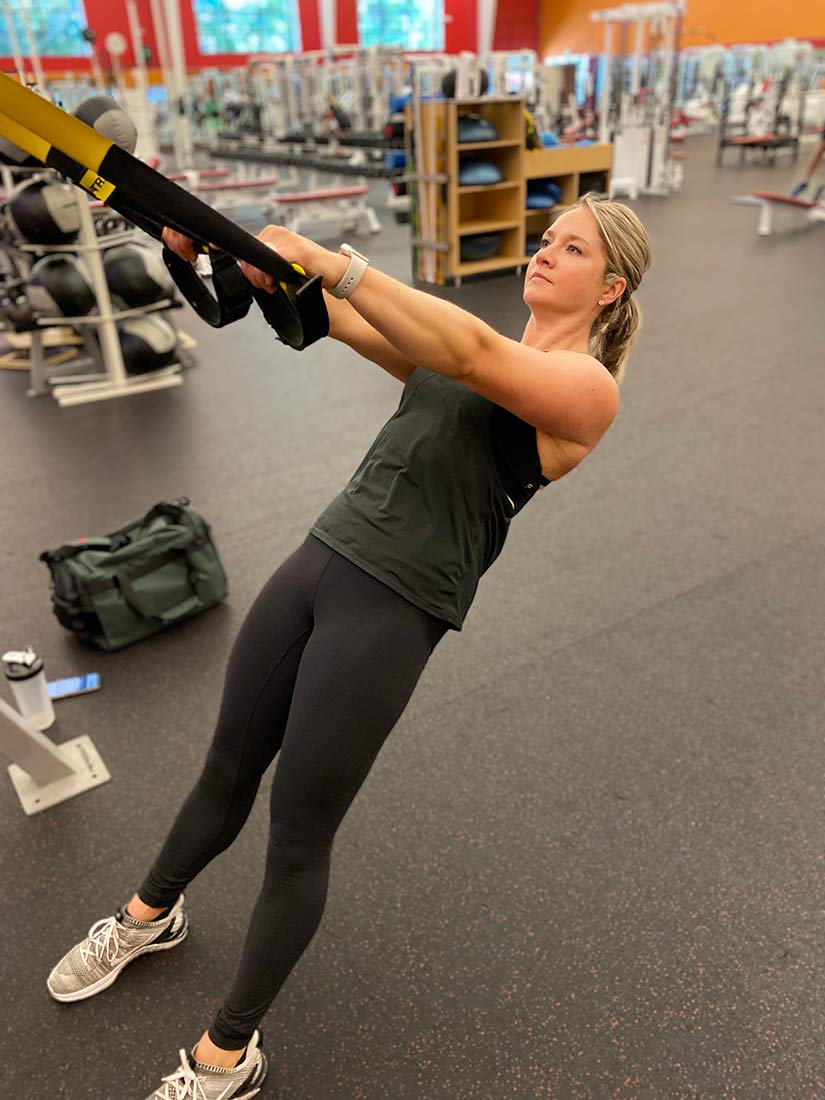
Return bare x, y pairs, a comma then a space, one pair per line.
601, 301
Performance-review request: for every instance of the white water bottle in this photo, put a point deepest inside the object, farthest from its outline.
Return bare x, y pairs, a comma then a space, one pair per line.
27, 680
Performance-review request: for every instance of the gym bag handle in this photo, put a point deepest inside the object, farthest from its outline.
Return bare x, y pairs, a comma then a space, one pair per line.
296, 311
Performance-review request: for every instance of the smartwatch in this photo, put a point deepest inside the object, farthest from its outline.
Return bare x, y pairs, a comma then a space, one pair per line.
353, 275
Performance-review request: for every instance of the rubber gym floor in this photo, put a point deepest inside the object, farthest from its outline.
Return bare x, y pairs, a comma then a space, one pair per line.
588, 863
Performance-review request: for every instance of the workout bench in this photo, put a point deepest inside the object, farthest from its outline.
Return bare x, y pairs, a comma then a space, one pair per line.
769, 143
767, 200
344, 203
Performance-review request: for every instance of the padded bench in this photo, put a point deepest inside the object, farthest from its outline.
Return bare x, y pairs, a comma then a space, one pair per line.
767, 200
347, 204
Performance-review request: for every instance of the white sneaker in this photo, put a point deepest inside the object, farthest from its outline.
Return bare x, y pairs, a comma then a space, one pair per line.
193, 1081
96, 962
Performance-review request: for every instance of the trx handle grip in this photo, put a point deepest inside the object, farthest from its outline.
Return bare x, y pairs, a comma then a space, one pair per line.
296, 310
232, 293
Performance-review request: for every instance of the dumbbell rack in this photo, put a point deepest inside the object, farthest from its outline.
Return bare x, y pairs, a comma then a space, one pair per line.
82, 389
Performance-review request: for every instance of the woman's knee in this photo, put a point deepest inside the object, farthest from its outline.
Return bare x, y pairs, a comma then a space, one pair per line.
299, 840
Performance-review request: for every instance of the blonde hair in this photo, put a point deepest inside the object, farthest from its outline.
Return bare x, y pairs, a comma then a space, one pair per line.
627, 256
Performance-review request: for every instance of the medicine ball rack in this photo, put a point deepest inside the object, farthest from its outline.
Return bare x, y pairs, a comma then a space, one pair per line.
78, 389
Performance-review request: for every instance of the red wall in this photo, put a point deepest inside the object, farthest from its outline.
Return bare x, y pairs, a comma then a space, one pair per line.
460, 25
517, 27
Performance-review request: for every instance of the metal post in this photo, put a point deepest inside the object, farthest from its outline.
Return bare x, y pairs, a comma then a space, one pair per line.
604, 98
145, 121
15, 44
34, 56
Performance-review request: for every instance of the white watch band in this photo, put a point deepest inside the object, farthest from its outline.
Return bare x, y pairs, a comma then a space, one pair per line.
353, 275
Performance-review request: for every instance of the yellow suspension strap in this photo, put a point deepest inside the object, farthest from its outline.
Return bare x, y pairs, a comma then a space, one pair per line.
297, 313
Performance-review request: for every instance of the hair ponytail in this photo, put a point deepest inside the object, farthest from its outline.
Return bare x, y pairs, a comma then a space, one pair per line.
613, 333
627, 256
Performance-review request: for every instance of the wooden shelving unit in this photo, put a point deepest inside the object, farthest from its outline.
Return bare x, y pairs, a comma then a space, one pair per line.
461, 212
575, 170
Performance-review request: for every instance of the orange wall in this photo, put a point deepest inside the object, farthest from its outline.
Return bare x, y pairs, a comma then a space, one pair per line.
564, 24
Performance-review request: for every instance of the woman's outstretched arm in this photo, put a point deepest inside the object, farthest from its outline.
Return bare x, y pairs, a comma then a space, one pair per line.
567, 394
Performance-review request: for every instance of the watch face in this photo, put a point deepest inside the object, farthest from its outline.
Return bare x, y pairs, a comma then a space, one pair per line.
348, 250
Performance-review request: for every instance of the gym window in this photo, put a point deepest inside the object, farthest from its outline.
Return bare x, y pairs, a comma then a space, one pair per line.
247, 26
413, 24
57, 27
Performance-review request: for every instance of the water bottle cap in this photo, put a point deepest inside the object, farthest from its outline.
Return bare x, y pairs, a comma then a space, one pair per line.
22, 664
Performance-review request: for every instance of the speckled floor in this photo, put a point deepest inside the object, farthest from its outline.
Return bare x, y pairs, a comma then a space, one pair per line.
588, 864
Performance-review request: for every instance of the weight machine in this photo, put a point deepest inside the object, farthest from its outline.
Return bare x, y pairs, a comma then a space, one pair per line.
637, 94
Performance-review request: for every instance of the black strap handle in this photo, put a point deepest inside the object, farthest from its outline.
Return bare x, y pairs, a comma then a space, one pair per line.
232, 295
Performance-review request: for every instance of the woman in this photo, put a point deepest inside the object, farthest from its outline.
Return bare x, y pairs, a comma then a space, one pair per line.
331, 650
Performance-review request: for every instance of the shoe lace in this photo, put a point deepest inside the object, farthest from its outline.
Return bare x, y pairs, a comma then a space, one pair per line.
183, 1084
103, 941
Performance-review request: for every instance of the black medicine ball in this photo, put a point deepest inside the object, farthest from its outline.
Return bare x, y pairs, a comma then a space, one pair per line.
61, 286
137, 275
45, 212
448, 84
148, 343
479, 246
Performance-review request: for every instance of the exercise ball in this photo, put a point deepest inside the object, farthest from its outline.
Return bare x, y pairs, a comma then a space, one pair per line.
147, 343
476, 128
44, 212
448, 83
474, 173
479, 246
13, 154
61, 285
542, 194
137, 275
107, 117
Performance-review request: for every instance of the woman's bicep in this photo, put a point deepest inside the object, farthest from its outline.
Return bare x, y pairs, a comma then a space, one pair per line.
567, 394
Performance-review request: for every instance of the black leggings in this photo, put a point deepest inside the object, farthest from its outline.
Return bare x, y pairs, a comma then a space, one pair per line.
322, 669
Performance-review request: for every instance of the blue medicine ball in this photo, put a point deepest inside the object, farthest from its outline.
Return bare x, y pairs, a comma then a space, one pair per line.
476, 128
473, 173
542, 194
537, 200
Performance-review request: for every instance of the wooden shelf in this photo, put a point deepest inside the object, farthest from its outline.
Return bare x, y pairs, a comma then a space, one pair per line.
465, 146
478, 188
493, 264
460, 212
482, 225
562, 162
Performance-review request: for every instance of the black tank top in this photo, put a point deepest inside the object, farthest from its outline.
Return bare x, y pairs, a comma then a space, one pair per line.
428, 509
